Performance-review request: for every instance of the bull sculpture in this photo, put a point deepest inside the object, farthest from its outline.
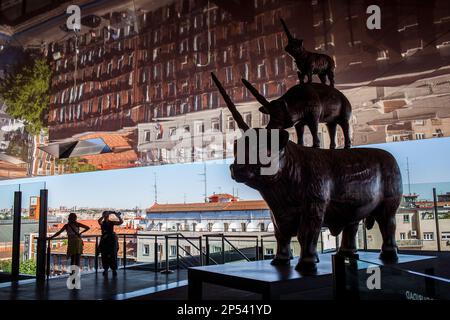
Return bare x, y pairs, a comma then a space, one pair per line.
308, 104
312, 188
309, 63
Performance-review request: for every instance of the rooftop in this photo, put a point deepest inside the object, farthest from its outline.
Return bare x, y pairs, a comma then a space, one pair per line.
210, 206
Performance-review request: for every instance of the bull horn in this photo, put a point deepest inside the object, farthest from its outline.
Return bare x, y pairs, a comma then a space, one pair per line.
234, 112
286, 30
255, 93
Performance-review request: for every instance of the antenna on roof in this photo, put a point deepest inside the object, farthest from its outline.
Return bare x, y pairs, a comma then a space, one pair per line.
407, 171
155, 187
204, 182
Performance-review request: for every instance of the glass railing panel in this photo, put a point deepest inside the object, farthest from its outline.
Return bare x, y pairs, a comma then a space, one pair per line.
368, 280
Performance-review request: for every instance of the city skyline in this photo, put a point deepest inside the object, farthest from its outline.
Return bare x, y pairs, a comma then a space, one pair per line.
177, 183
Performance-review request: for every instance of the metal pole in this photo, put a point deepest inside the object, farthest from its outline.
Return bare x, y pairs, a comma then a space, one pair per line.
167, 269
436, 220
96, 255
365, 236
262, 248
321, 241
257, 248
40, 256
200, 247
156, 254
15, 264
49, 252
124, 251
207, 249
178, 253
223, 249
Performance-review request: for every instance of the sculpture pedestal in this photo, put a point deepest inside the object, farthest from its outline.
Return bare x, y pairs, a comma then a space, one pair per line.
274, 281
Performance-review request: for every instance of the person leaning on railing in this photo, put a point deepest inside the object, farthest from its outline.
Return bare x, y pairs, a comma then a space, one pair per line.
109, 243
75, 242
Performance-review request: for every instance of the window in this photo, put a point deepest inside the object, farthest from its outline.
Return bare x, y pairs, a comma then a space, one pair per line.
261, 70
146, 250
264, 119
230, 123
420, 136
172, 131
428, 236
248, 118
147, 136
173, 251
402, 236
226, 226
199, 127
406, 218
445, 235
215, 125
269, 251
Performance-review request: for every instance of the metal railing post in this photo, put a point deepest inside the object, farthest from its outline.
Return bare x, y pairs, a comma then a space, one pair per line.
156, 254
262, 248
365, 236
207, 249
167, 269
223, 249
124, 251
321, 241
15, 263
41, 250
178, 253
201, 249
257, 249
48, 258
96, 255
436, 220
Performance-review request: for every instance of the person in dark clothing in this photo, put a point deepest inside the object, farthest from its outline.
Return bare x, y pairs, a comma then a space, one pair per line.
109, 244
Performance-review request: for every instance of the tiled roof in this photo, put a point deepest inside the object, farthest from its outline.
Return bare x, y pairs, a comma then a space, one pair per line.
123, 155
94, 228
211, 206
89, 249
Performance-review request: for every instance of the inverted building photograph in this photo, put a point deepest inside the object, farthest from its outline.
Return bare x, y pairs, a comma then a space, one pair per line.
249, 151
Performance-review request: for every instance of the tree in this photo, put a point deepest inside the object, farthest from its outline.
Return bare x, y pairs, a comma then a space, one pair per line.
77, 165
26, 94
26, 267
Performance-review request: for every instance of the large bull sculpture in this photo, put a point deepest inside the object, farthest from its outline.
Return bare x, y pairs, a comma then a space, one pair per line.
312, 188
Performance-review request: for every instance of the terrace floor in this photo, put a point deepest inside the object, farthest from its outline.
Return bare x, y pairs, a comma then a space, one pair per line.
127, 285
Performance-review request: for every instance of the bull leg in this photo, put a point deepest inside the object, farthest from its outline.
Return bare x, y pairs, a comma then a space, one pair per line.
314, 128
332, 132
308, 236
300, 130
310, 76
323, 78
346, 129
301, 76
330, 75
386, 221
283, 255
348, 242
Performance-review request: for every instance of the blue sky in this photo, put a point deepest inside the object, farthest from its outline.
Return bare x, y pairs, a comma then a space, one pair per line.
428, 161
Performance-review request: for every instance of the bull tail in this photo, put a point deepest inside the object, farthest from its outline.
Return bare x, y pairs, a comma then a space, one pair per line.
369, 222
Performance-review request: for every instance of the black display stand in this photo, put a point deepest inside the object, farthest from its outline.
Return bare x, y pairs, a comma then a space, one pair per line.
272, 282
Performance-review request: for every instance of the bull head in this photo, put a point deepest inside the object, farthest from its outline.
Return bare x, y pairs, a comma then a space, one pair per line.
277, 109
294, 46
257, 151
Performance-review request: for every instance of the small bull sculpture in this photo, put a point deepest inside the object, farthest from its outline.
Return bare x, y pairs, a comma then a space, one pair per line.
308, 104
312, 188
309, 63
